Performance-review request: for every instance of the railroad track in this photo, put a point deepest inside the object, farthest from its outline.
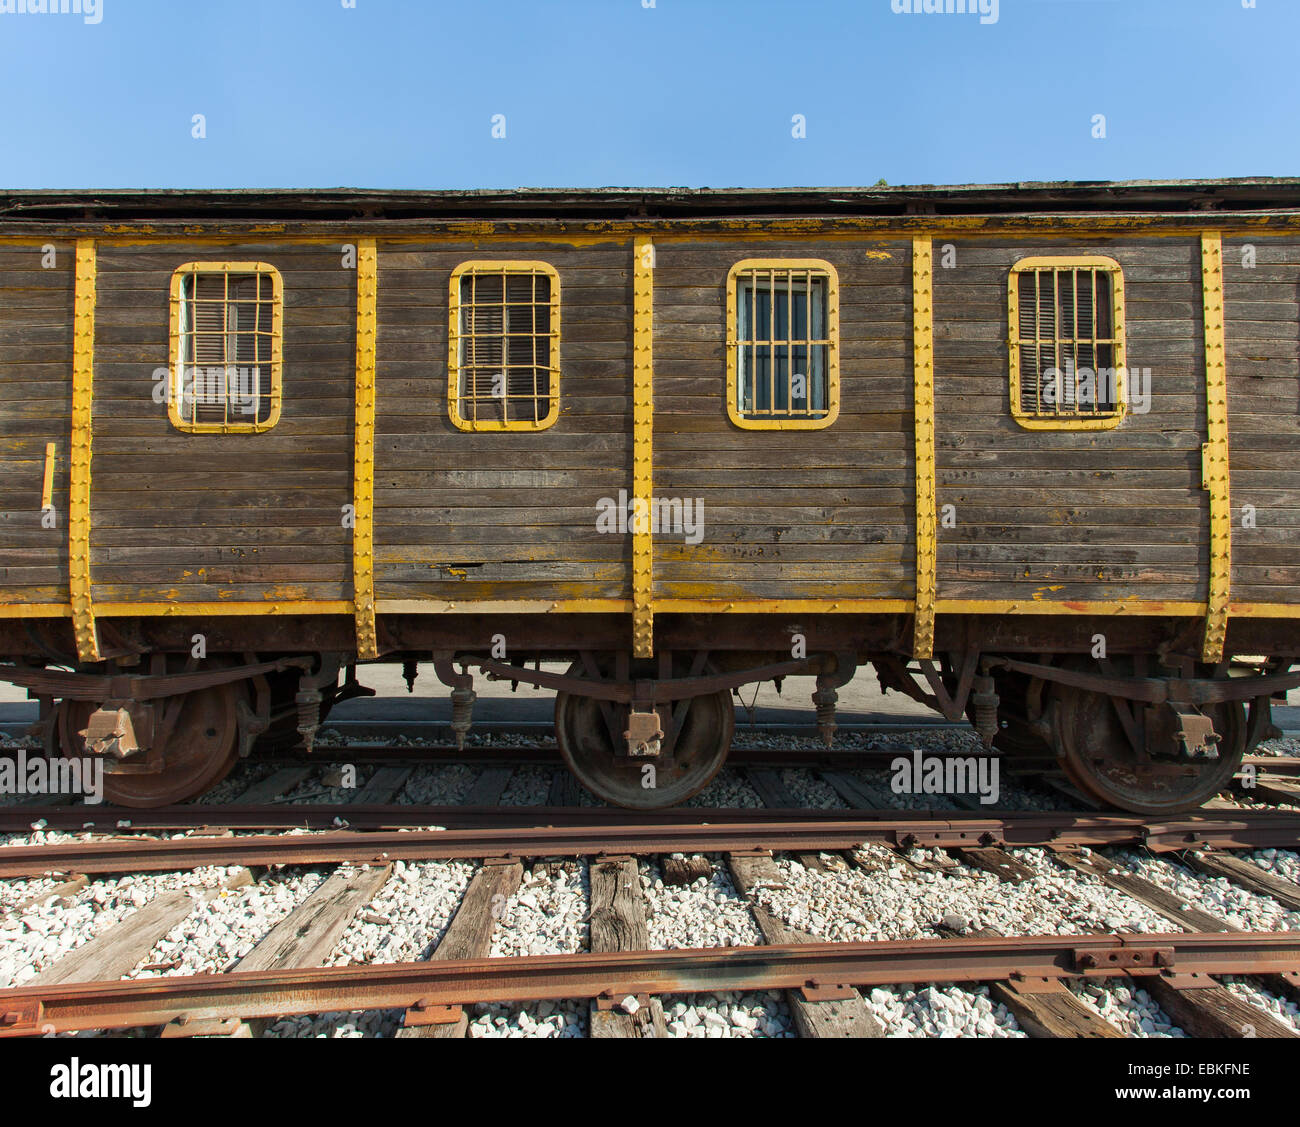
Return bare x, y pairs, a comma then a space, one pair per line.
580, 831
1037, 979
622, 980
1029, 970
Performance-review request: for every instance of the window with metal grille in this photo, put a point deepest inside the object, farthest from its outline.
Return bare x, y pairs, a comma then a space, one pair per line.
226, 344
782, 344
504, 353
1067, 343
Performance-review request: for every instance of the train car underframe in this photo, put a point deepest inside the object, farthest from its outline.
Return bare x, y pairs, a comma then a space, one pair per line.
1147, 728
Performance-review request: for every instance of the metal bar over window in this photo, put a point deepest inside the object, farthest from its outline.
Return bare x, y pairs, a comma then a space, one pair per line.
781, 372
504, 349
1066, 357
227, 344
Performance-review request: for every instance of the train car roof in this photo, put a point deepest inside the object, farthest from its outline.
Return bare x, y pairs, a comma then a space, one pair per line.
336, 204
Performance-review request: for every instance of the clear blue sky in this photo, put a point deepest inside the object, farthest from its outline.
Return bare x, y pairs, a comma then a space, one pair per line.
401, 93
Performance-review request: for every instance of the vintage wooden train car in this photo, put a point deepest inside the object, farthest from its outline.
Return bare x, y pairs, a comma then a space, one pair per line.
976, 438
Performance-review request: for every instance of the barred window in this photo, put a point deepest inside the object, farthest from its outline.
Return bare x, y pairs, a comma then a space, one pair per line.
226, 341
782, 344
504, 349
1067, 343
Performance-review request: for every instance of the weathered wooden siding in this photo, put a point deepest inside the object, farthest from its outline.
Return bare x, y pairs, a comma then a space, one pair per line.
464, 516
825, 514
180, 517
787, 514
1071, 515
1262, 314
35, 408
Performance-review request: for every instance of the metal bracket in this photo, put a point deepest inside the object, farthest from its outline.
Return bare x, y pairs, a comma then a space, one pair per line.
27, 1019
643, 734
1124, 958
119, 729
1196, 734
425, 1013
184, 1026
1188, 981
814, 991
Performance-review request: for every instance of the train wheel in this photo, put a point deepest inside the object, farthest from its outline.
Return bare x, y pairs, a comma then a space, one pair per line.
588, 748
199, 751
1099, 759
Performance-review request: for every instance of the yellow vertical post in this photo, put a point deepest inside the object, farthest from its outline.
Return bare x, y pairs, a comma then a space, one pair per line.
363, 454
83, 377
642, 446
47, 481
923, 423
1214, 454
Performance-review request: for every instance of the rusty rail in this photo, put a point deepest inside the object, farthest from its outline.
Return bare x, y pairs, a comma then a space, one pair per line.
517, 832
1205, 828
157, 1001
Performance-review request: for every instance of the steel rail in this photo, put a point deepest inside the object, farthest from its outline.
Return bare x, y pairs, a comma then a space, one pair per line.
419, 986
387, 816
1204, 828
520, 836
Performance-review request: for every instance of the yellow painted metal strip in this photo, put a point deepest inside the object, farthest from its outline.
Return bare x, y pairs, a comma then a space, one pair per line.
211, 608
594, 232
1264, 610
1128, 608
363, 460
505, 606
36, 610
923, 411
643, 444
783, 606
1215, 467
83, 376
47, 484
1029, 605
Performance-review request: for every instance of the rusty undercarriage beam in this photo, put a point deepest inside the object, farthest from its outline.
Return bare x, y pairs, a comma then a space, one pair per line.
1157, 690
198, 998
130, 686
582, 833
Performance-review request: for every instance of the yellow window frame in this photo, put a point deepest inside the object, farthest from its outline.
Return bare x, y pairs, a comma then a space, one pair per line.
1069, 262
503, 267
176, 369
832, 340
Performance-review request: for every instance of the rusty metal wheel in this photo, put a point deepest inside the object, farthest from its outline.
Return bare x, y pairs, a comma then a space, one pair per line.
583, 733
197, 753
1097, 757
